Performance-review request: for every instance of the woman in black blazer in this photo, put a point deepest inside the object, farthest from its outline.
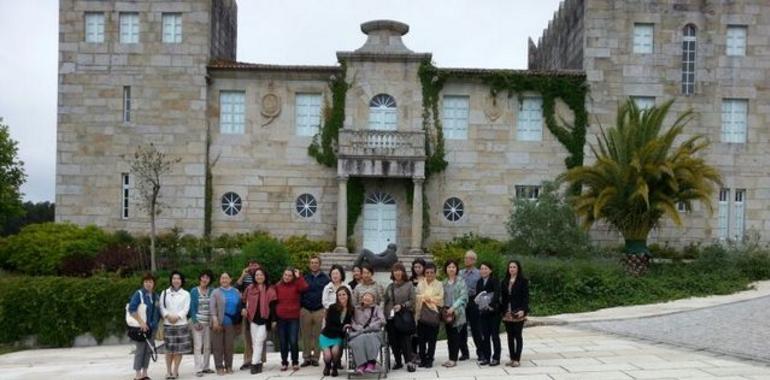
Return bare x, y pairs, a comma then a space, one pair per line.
487, 299
514, 304
338, 319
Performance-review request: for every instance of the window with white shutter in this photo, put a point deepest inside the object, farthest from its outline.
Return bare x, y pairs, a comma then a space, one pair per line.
739, 215
94, 27
126, 104
383, 114
308, 114
724, 213
129, 28
528, 192
172, 28
736, 40
643, 38
530, 121
455, 117
125, 181
644, 102
689, 44
232, 112
734, 120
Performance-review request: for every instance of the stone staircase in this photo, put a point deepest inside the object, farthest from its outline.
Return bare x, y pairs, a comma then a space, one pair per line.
346, 259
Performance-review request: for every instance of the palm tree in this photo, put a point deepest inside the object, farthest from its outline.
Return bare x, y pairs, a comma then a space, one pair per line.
641, 173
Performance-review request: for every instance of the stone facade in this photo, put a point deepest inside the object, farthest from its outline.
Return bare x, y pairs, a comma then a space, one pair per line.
615, 72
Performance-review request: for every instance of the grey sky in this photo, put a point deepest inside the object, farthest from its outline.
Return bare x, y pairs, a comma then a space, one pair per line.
459, 33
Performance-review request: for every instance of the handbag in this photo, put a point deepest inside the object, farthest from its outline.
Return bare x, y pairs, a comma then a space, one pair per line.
511, 317
141, 310
403, 321
429, 317
446, 316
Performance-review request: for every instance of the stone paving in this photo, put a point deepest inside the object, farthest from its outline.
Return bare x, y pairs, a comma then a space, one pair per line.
551, 352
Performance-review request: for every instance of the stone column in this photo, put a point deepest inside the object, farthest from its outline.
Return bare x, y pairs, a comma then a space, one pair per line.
342, 215
417, 217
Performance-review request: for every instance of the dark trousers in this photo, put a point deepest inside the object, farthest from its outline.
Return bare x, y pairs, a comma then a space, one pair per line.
515, 340
400, 344
455, 340
222, 346
490, 336
427, 335
472, 315
288, 334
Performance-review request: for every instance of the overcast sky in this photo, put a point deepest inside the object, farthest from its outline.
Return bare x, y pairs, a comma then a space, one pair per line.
459, 33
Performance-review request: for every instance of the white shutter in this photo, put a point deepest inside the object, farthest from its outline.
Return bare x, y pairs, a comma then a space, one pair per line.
232, 112
172, 27
736, 40
734, 120
724, 210
643, 38
129, 28
455, 121
308, 114
94, 27
530, 120
739, 205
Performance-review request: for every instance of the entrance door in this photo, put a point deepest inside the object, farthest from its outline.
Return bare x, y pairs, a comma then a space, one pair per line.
379, 221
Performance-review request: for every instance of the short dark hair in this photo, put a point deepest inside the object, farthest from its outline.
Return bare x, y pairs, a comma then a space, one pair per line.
430, 266
339, 268
208, 273
171, 277
488, 265
315, 257
367, 267
450, 262
149, 277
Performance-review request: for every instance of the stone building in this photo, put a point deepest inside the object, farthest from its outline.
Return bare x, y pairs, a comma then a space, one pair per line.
165, 72
710, 56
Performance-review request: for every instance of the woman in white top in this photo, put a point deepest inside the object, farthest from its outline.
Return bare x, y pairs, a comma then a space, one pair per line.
174, 306
329, 295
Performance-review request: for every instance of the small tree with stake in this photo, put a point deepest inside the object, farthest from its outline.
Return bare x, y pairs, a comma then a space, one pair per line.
149, 166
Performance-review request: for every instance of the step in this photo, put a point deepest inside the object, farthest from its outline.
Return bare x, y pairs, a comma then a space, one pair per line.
346, 260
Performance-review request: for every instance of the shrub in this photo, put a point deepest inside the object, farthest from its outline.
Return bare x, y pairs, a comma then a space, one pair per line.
269, 252
546, 227
301, 249
40, 248
120, 259
488, 250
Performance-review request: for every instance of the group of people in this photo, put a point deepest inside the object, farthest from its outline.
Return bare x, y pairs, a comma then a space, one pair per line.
327, 312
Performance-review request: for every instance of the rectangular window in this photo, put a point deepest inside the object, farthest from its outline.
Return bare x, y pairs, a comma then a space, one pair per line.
455, 121
739, 219
94, 27
528, 192
734, 120
129, 28
736, 40
530, 121
308, 114
724, 211
232, 112
643, 38
124, 197
172, 28
126, 104
681, 206
644, 102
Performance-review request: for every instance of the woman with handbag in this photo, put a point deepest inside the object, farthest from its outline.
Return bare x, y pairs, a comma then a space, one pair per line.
487, 299
430, 299
174, 307
260, 299
453, 313
337, 320
142, 318
225, 305
399, 304
514, 300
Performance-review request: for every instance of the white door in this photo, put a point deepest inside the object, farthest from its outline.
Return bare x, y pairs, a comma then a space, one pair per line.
379, 221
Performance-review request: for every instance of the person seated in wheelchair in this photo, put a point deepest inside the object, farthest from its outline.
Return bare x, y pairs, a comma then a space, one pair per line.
365, 335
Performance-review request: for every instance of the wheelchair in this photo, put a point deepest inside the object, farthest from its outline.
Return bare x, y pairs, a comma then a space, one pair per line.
383, 362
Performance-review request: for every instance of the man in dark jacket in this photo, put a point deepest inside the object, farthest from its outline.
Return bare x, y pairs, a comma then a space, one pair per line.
312, 313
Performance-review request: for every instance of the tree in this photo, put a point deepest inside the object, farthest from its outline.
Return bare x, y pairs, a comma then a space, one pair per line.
34, 213
12, 176
640, 174
148, 167
547, 226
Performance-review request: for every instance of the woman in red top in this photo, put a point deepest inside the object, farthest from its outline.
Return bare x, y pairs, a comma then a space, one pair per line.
288, 292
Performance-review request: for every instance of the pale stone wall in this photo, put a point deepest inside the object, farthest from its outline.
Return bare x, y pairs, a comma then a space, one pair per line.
168, 89
562, 43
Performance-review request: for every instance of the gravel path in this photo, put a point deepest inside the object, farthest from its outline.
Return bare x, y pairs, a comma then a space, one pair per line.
739, 329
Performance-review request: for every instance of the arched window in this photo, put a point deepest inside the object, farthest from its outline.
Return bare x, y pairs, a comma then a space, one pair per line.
688, 59
383, 114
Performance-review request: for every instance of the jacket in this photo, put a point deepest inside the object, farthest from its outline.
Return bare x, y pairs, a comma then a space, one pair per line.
265, 296
288, 296
217, 305
311, 298
151, 305
176, 303
459, 294
425, 291
492, 285
404, 295
373, 288
334, 323
192, 315
330, 294
517, 298
362, 316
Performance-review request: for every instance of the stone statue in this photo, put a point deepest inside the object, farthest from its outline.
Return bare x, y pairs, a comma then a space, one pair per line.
381, 261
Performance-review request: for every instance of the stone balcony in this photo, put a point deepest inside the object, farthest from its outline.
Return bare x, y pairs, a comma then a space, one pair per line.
377, 153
